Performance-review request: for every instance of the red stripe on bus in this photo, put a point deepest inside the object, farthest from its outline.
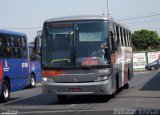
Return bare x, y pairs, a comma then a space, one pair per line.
1, 71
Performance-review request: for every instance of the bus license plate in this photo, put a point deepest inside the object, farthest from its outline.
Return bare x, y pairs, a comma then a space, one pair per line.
74, 89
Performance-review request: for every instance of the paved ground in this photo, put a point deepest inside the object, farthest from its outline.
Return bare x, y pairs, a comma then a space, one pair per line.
142, 96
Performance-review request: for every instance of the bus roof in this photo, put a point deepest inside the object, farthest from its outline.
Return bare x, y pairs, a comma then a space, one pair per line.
12, 33
85, 17
78, 17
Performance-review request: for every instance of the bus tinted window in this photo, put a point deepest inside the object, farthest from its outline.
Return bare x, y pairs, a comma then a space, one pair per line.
128, 41
129, 35
16, 47
24, 47
4, 40
23, 42
117, 33
121, 33
32, 54
88, 40
17, 52
17, 42
124, 37
5, 52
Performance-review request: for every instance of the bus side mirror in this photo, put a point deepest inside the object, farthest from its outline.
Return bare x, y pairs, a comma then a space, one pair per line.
37, 45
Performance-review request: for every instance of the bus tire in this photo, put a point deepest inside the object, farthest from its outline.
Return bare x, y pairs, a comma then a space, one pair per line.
62, 98
32, 81
126, 86
117, 82
5, 91
114, 94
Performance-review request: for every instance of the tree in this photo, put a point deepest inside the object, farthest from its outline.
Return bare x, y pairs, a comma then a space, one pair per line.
145, 40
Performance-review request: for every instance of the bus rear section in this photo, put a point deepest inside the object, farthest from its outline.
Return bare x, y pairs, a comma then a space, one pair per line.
35, 66
77, 57
14, 69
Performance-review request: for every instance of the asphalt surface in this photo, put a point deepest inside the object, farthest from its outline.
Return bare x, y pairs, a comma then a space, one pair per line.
143, 97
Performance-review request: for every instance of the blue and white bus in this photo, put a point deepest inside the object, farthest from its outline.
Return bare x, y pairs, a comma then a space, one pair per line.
14, 63
35, 66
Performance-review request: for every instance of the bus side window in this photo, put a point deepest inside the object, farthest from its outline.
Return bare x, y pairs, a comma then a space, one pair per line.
16, 47
116, 37
35, 57
117, 32
2, 52
124, 36
128, 38
17, 42
24, 47
17, 52
121, 34
5, 51
8, 52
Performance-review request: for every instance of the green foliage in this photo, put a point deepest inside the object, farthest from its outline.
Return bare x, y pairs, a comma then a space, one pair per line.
145, 40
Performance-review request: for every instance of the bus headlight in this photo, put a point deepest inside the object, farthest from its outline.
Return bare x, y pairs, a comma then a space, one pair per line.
44, 78
102, 78
48, 79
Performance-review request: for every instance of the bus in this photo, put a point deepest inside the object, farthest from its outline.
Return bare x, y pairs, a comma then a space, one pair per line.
85, 55
35, 66
14, 67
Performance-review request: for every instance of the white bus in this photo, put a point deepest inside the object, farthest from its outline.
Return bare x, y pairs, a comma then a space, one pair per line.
85, 55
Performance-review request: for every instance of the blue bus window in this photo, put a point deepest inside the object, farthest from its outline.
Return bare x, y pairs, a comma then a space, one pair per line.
23, 42
5, 52
17, 52
17, 42
24, 50
4, 40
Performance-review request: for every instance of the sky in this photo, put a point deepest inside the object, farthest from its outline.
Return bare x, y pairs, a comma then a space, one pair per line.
28, 16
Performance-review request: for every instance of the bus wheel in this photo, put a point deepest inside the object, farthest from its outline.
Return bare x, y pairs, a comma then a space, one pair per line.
117, 82
62, 98
114, 94
32, 81
5, 91
126, 86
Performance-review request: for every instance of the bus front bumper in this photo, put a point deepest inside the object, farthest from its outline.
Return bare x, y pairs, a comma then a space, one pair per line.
90, 88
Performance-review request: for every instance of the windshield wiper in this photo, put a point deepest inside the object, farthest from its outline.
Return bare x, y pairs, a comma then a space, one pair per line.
60, 60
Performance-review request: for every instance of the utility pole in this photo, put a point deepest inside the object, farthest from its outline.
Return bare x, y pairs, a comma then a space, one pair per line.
108, 7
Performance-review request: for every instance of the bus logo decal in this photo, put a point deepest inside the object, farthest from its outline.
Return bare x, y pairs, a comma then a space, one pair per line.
6, 64
24, 65
33, 67
6, 68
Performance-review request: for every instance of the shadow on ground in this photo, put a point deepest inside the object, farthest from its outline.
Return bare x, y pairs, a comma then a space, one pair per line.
153, 84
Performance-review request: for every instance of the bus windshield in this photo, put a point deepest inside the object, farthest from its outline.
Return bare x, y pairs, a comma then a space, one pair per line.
79, 43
